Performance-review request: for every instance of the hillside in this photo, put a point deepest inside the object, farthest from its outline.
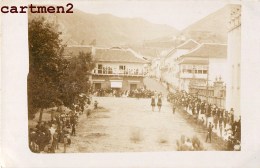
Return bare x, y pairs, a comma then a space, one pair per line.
106, 29
212, 28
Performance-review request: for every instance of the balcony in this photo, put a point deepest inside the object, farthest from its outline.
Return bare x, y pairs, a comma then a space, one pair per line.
117, 72
193, 76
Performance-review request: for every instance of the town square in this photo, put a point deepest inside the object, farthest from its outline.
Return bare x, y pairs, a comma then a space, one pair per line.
104, 83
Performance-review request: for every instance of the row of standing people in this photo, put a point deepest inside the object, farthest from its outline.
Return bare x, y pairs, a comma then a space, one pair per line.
221, 118
159, 101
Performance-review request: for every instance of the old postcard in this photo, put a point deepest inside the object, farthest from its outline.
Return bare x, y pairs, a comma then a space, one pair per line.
130, 76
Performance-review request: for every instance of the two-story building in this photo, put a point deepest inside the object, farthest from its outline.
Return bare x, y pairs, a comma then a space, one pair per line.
202, 65
116, 68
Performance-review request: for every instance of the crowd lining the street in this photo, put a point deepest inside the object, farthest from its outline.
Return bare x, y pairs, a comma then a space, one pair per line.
215, 118
47, 135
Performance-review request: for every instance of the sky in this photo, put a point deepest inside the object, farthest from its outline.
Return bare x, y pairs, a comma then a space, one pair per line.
178, 14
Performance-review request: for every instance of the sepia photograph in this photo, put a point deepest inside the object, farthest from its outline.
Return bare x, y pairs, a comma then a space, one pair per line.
135, 76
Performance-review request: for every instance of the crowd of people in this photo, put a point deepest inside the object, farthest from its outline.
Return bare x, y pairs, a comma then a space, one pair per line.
215, 118
46, 136
134, 93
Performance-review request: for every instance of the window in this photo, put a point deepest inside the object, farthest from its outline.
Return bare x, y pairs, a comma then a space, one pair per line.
121, 67
196, 70
100, 68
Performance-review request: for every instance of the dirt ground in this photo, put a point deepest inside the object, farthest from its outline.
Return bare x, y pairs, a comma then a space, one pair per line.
129, 125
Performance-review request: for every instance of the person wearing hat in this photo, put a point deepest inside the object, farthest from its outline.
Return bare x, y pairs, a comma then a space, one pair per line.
159, 103
209, 132
153, 102
231, 116
225, 119
95, 104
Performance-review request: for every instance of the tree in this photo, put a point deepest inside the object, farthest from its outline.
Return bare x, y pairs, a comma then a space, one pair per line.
76, 80
53, 80
46, 66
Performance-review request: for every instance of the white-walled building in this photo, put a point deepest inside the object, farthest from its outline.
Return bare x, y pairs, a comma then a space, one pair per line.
155, 68
206, 62
234, 60
170, 67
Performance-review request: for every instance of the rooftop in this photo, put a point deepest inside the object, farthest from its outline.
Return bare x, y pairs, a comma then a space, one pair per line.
192, 61
114, 54
117, 55
72, 51
211, 50
188, 45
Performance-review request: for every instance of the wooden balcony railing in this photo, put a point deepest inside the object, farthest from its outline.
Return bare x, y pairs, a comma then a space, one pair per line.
117, 72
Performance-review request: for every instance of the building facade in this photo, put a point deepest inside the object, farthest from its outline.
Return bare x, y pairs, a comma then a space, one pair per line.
170, 67
115, 68
234, 59
214, 94
202, 65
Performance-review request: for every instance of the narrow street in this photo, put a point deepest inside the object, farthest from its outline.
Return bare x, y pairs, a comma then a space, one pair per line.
153, 84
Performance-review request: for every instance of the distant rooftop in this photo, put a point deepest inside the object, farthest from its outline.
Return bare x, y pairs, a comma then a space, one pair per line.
73, 51
117, 55
188, 45
192, 61
211, 50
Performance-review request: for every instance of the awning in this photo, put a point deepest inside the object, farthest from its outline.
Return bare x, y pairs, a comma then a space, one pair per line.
116, 84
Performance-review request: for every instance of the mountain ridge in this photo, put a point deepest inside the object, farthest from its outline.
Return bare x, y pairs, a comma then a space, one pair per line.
106, 29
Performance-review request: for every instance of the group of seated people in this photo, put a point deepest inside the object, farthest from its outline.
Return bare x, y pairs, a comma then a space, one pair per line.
134, 93
222, 119
47, 135
189, 144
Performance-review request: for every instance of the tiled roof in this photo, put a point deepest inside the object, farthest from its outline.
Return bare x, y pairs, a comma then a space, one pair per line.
104, 54
211, 50
147, 52
188, 45
72, 51
192, 61
117, 55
